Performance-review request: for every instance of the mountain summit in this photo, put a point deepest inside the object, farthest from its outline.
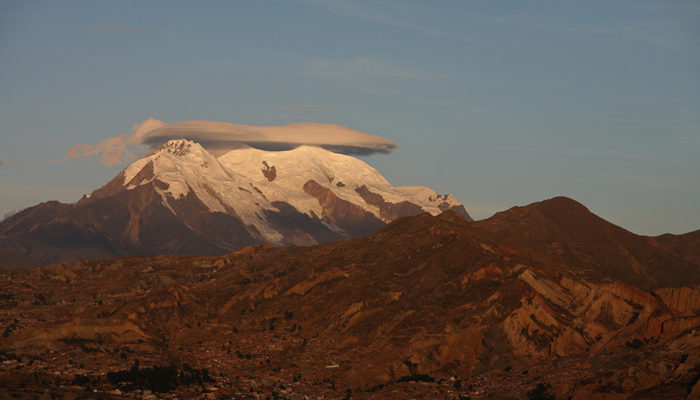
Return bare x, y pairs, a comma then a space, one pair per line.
182, 199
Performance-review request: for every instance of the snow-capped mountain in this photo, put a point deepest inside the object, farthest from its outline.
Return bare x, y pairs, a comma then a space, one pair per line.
182, 199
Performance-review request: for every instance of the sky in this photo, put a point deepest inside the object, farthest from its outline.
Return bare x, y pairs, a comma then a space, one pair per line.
499, 103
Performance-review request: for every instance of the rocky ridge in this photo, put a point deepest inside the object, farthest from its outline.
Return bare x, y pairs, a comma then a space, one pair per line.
428, 298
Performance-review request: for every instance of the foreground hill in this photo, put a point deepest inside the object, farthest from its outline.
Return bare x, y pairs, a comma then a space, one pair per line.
546, 298
182, 199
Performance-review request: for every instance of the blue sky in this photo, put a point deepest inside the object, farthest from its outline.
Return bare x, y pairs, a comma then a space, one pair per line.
499, 103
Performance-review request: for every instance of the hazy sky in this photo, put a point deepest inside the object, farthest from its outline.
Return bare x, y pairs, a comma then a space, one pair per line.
499, 103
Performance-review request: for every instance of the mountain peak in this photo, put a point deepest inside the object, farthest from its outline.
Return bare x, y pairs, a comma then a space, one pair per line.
178, 147
557, 208
561, 202
310, 148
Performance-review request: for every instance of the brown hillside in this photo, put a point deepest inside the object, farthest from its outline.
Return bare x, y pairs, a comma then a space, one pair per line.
547, 293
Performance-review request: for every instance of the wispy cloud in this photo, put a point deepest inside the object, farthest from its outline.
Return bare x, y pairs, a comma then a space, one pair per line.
362, 69
670, 33
309, 107
624, 120
113, 151
666, 33
350, 9
118, 29
614, 154
666, 25
654, 181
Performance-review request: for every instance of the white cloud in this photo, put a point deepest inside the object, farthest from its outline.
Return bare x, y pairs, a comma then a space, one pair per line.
386, 13
221, 137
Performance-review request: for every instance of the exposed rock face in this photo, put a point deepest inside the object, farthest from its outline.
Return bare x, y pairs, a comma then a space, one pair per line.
342, 213
176, 147
388, 210
684, 300
269, 172
301, 229
210, 205
425, 295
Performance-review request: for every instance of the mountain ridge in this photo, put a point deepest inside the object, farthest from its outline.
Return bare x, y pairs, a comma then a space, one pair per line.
182, 199
424, 296
557, 230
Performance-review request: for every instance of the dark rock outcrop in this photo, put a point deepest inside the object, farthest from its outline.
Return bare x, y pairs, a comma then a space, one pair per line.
269, 172
389, 210
351, 218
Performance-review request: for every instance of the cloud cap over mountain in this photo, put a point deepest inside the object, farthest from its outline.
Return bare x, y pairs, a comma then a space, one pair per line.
220, 137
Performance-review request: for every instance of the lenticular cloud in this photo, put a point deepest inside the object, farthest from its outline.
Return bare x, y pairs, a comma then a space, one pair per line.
221, 137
